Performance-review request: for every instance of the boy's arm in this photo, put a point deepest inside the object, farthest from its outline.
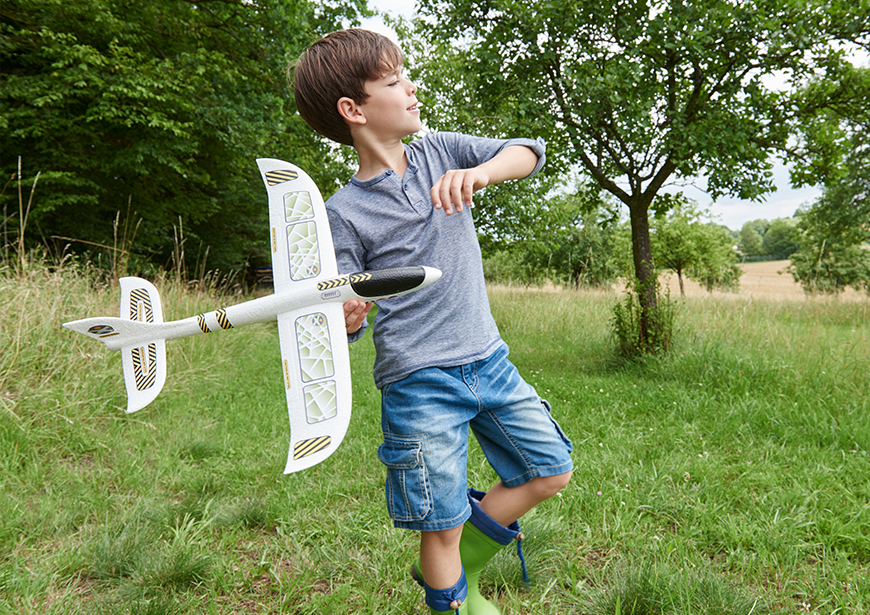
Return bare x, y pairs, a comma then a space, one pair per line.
455, 188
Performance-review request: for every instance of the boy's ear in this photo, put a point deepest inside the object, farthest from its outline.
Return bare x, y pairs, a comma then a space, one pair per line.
351, 111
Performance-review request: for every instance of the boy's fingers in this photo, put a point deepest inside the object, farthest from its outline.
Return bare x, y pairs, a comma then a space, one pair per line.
355, 313
435, 194
454, 191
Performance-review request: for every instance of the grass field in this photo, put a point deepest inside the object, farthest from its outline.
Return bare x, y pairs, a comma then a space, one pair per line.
730, 477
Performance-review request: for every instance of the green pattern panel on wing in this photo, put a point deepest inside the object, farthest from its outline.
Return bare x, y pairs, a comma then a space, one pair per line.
303, 250
315, 349
297, 206
316, 365
320, 401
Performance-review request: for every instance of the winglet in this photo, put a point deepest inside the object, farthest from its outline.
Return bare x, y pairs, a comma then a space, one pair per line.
144, 365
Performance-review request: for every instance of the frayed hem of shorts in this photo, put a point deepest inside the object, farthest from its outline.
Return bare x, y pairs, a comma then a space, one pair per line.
434, 526
546, 472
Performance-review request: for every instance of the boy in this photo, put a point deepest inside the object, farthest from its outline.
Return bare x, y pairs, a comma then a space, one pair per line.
441, 365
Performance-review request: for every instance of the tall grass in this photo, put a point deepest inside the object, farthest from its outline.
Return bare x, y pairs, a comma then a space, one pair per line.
729, 476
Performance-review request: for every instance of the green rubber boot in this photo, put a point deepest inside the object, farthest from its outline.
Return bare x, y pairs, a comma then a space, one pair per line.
482, 538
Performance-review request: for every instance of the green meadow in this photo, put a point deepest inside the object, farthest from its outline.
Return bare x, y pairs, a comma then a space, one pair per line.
729, 477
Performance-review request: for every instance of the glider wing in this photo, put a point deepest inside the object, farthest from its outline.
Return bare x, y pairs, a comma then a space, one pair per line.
314, 352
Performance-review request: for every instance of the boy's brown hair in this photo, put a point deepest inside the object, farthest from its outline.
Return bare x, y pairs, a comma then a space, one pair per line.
337, 66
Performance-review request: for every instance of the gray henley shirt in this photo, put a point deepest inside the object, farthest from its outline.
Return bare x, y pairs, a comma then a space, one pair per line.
389, 221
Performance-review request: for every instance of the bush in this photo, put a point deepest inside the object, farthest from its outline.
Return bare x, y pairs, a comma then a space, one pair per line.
643, 331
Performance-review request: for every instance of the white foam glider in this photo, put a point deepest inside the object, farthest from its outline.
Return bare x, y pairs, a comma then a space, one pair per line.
307, 303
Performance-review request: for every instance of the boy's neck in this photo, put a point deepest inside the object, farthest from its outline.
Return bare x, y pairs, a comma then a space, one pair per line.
374, 159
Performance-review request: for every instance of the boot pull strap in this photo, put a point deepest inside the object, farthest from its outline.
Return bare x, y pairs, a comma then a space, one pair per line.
522, 559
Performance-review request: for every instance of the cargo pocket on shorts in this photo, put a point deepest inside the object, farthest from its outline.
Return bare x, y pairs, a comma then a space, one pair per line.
565, 439
409, 496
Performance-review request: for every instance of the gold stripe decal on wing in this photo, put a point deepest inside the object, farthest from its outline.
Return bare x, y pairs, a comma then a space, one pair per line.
140, 306
223, 321
333, 283
360, 277
200, 320
286, 375
273, 178
306, 448
144, 370
274, 240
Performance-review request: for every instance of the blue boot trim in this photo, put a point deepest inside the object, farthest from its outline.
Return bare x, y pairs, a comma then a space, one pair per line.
495, 530
440, 599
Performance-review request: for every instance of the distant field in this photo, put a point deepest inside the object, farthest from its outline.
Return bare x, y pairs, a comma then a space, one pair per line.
768, 280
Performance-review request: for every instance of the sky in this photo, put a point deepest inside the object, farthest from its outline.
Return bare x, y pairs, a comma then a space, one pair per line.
733, 213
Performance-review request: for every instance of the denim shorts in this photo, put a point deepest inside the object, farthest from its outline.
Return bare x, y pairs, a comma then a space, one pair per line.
425, 419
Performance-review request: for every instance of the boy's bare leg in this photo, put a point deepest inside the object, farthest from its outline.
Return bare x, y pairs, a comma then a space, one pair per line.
508, 504
439, 557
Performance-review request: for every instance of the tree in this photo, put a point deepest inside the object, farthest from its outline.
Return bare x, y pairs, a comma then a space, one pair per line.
752, 237
160, 105
833, 233
684, 244
581, 253
781, 239
546, 232
826, 269
637, 93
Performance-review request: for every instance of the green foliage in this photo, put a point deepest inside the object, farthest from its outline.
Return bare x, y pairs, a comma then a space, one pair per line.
522, 213
834, 231
834, 114
781, 238
162, 105
639, 93
776, 240
829, 269
582, 257
689, 247
537, 233
512, 267
579, 252
752, 237
639, 331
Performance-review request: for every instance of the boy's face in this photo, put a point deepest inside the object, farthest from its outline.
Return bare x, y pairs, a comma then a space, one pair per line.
391, 107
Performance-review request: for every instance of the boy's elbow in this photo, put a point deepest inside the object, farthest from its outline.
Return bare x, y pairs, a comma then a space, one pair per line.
531, 162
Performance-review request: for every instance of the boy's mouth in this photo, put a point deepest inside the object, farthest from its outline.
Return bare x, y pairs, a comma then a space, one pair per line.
414, 107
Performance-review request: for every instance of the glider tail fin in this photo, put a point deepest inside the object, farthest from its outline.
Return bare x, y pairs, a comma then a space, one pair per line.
144, 364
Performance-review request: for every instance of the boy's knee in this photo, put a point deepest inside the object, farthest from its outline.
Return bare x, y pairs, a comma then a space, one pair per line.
442, 539
551, 485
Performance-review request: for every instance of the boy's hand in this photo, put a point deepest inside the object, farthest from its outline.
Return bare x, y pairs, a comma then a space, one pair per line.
355, 313
455, 188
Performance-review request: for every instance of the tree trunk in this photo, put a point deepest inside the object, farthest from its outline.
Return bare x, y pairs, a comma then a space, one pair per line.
644, 267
